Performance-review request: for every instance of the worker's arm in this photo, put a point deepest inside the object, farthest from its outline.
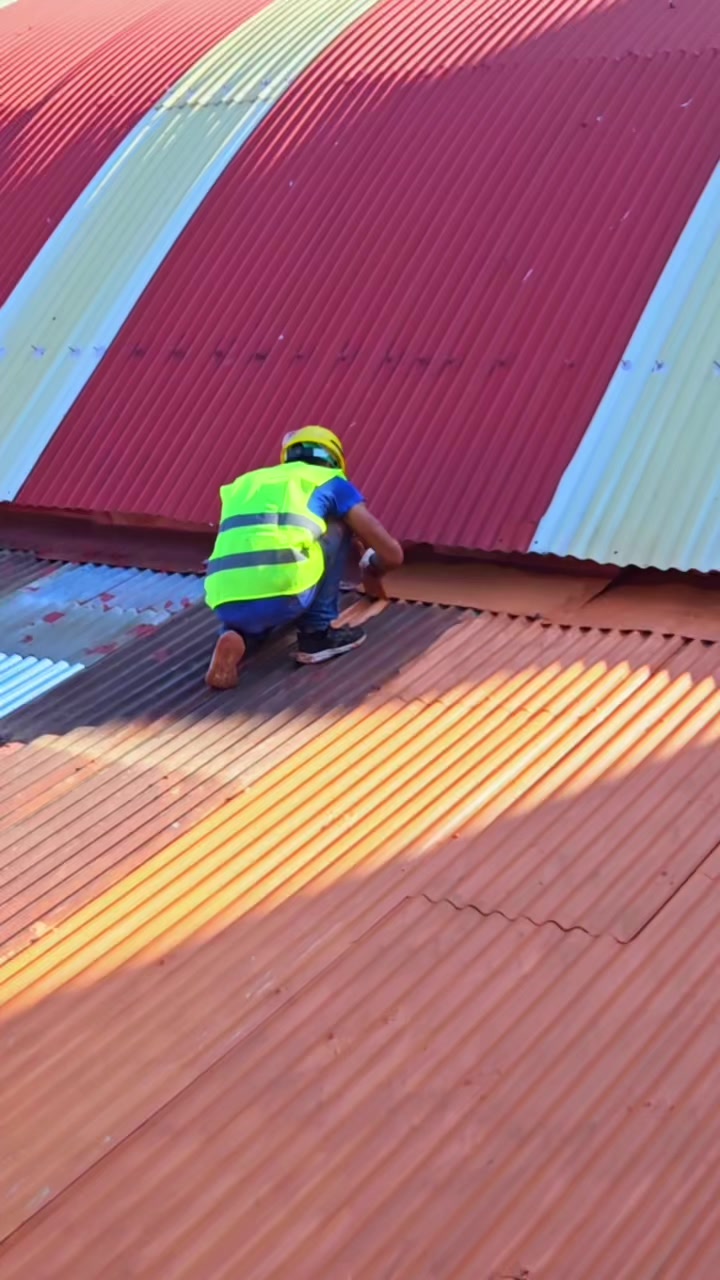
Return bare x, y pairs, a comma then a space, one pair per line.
376, 538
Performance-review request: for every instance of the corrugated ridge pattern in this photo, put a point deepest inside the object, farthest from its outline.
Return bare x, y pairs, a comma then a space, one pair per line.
622, 732
241, 845
644, 484
453, 1097
153, 752
41, 584
18, 568
446, 323
74, 80
69, 305
24, 679
55, 620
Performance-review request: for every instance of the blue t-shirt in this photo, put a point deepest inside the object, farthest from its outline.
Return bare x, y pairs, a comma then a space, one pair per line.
333, 500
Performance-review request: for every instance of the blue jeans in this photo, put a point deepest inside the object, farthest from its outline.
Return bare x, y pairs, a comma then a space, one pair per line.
316, 610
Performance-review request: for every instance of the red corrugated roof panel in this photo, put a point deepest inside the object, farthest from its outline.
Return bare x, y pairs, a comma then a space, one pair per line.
437, 243
183, 876
75, 77
455, 1097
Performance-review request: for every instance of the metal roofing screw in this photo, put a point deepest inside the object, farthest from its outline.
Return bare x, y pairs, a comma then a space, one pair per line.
626, 365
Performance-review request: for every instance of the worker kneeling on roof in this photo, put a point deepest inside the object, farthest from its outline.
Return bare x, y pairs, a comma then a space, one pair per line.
281, 554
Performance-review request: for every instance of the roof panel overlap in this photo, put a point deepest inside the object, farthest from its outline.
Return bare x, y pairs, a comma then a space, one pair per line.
643, 485
58, 619
204, 866
76, 79
474, 320
445, 1062
68, 307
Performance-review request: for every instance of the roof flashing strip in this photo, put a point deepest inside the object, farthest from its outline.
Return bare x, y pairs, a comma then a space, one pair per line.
77, 293
643, 486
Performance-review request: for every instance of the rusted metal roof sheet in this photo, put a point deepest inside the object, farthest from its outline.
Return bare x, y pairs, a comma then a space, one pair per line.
458, 333
187, 880
546, 726
454, 1097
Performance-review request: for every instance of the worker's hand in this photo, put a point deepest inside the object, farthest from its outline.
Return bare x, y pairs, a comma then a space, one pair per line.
371, 572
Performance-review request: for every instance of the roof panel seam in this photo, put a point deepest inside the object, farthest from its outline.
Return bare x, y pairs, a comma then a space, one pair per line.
496, 912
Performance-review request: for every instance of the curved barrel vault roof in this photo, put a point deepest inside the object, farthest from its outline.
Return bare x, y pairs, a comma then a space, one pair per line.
439, 233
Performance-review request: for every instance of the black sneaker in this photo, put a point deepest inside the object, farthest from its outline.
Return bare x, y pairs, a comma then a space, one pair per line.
320, 646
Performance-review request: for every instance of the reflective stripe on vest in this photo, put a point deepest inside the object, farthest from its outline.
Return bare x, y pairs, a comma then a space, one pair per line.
254, 560
268, 542
283, 519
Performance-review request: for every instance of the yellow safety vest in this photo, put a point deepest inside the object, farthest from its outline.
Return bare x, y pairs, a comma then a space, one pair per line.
267, 543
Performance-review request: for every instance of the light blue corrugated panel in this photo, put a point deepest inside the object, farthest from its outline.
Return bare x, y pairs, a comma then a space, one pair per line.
81, 612
61, 619
644, 486
78, 633
102, 586
140, 589
24, 679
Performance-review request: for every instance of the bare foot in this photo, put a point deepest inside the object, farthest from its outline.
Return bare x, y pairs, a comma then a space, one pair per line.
229, 653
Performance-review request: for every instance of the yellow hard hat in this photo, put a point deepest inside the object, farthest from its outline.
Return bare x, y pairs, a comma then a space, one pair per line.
327, 440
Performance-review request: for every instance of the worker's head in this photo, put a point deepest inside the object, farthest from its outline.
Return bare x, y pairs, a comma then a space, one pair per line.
316, 445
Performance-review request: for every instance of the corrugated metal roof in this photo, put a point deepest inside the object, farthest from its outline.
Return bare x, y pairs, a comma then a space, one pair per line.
68, 307
17, 568
55, 620
75, 78
454, 1098
487, 1096
511, 721
50, 586
24, 679
193, 869
644, 485
477, 329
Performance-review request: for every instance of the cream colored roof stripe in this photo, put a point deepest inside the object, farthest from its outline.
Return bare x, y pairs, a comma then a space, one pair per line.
644, 485
70, 304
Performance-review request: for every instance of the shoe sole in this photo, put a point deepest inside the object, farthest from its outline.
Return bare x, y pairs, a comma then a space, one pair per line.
325, 655
223, 670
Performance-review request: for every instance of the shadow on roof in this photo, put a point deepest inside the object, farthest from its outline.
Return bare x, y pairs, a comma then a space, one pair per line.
321, 1034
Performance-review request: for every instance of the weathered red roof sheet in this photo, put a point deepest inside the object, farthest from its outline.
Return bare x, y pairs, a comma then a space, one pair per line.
440, 243
405, 967
75, 78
